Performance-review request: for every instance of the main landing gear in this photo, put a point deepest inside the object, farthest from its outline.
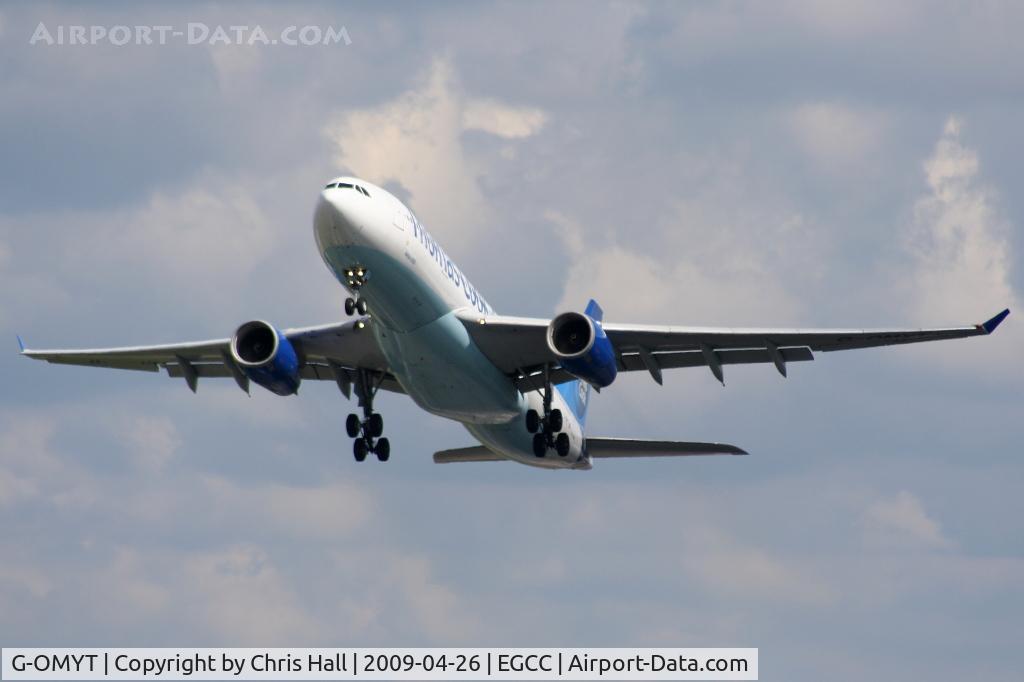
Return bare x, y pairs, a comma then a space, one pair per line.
356, 276
545, 428
368, 430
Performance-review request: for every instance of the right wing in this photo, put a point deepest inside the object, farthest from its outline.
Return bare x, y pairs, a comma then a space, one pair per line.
518, 345
331, 352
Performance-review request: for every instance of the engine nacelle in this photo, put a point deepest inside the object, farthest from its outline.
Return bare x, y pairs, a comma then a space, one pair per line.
267, 357
583, 348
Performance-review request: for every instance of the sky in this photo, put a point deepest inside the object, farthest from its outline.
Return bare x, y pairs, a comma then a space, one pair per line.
773, 164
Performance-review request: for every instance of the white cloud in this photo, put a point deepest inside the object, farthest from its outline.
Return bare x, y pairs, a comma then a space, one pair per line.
715, 273
901, 522
727, 566
502, 120
959, 240
846, 20
242, 597
211, 234
416, 140
26, 458
327, 512
436, 606
153, 440
959, 246
837, 137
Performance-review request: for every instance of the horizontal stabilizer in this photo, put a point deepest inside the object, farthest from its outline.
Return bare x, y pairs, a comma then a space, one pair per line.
631, 447
475, 453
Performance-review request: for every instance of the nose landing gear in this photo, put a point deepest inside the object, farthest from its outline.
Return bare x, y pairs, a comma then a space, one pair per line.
367, 431
356, 276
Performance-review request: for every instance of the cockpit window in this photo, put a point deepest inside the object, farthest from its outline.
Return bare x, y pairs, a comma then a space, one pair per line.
340, 185
363, 190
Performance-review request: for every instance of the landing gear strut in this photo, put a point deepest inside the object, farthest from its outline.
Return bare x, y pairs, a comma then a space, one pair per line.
356, 276
368, 430
545, 428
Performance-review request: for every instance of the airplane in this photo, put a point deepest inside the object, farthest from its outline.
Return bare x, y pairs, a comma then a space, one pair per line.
521, 386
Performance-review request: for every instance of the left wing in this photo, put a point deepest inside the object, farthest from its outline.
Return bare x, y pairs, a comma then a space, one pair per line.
518, 345
331, 352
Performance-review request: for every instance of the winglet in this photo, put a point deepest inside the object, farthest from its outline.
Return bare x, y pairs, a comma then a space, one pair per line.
21, 344
991, 325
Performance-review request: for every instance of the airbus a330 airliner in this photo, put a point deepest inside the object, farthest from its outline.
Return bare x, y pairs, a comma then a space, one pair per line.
519, 385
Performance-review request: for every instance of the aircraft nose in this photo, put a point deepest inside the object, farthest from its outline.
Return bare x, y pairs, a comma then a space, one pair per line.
337, 207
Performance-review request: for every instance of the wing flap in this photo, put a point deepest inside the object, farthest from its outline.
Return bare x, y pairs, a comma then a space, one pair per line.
633, 362
631, 447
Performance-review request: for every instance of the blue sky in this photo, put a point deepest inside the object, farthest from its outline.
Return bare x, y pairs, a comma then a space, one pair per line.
744, 164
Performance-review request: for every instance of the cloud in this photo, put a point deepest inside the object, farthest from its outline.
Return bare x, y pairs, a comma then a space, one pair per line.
900, 522
502, 120
241, 596
959, 246
153, 440
415, 140
706, 270
726, 566
838, 138
211, 234
27, 461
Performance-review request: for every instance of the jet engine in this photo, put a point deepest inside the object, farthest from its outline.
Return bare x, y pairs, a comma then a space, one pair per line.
267, 357
582, 348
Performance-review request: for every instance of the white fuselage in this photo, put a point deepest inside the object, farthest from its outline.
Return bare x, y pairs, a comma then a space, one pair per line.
414, 291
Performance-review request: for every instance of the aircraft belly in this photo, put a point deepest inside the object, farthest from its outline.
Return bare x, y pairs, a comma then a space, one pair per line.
444, 373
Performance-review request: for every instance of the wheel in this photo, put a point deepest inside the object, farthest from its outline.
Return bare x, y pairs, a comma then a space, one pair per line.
555, 420
383, 449
350, 306
359, 449
352, 426
361, 306
540, 445
562, 444
375, 425
532, 421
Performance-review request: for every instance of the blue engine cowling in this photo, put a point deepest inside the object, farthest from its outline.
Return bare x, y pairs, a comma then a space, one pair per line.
267, 357
583, 348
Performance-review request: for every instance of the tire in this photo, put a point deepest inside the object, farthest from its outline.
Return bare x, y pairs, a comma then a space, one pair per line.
350, 307
555, 421
532, 421
361, 306
359, 449
540, 446
383, 449
562, 444
352, 426
375, 425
